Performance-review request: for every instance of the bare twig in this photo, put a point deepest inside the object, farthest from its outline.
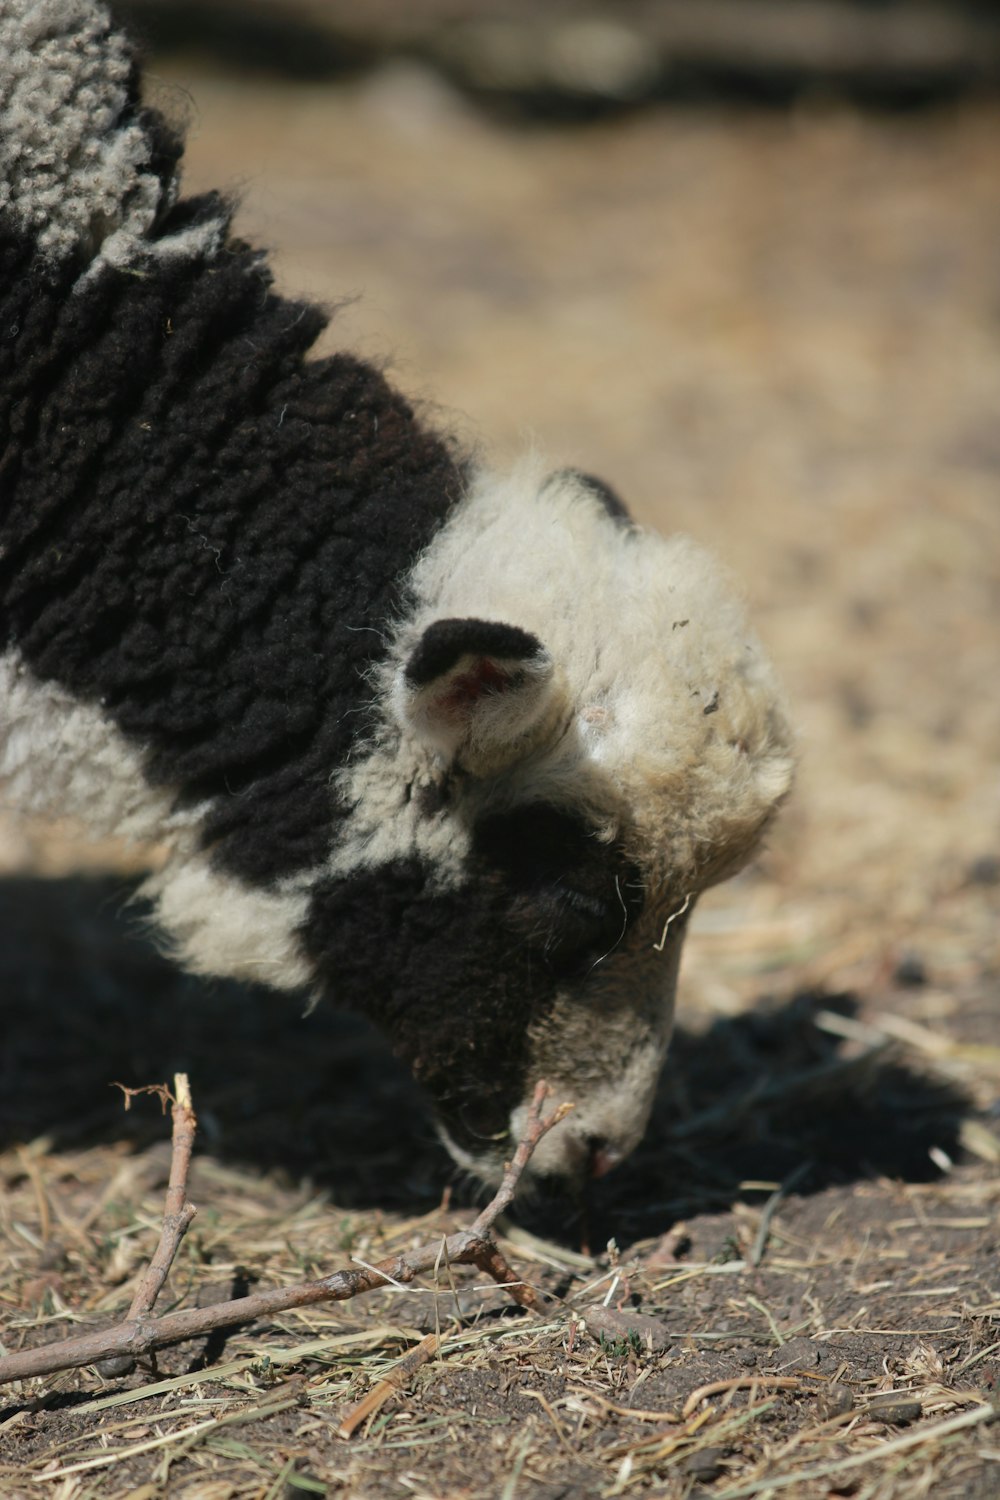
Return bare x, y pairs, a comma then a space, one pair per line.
177, 1211
138, 1335
534, 1129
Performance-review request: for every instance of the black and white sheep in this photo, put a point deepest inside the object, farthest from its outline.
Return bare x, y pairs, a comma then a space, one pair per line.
456, 747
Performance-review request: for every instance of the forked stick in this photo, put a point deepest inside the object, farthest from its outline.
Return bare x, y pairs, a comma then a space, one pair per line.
177, 1211
140, 1333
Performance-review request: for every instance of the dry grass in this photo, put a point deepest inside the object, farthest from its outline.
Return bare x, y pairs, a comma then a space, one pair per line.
810, 1354
779, 332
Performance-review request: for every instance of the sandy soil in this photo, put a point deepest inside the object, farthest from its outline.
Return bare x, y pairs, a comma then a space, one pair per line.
780, 332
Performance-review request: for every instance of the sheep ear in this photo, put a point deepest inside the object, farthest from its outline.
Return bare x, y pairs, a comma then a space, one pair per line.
480, 693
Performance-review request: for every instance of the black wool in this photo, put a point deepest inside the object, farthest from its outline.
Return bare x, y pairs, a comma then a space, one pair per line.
542, 902
204, 531
389, 943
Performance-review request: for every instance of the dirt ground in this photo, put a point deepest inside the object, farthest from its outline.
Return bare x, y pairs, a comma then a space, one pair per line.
780, 331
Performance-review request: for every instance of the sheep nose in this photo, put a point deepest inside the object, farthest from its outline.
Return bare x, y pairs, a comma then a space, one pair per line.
602, 1157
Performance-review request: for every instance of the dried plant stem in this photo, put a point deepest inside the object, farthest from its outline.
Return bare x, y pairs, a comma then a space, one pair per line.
140, 1334
399, 1375
919, 1437
739, 1383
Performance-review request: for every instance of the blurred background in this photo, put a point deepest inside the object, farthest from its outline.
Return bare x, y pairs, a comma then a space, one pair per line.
741, 258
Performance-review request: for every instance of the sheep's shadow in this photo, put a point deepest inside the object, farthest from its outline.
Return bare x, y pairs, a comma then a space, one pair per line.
768, 1096
86, 1000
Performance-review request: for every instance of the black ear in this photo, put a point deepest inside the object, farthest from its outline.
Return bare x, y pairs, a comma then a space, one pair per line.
479, 692
444, 643
600, 489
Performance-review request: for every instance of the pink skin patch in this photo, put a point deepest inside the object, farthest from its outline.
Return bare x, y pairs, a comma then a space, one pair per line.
465, 689
603, 1159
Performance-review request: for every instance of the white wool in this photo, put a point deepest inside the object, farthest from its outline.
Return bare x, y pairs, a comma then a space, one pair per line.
74, 170
675, 722
388, 822
218, 925
60, 757
63, 757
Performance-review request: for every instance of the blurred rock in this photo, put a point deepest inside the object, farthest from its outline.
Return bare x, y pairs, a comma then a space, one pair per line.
894, 1408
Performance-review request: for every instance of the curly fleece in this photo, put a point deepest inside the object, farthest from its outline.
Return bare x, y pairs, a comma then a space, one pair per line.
199, 530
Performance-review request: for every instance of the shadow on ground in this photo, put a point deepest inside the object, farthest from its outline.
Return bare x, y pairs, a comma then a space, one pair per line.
85, 1000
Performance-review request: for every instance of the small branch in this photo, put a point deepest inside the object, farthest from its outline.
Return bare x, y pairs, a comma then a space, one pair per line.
535, 1128
140, 1333
177, 1211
